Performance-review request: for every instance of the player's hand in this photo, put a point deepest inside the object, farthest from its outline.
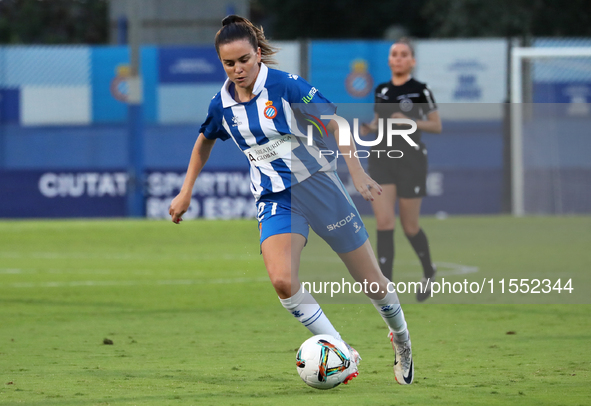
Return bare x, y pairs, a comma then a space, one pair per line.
365, 185
179, 206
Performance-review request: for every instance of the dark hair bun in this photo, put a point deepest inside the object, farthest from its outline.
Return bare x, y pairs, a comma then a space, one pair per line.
231, 19
236, 28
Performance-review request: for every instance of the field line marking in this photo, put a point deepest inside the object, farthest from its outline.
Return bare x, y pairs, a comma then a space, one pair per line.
133, 283
455, 269
443, 268
73, 255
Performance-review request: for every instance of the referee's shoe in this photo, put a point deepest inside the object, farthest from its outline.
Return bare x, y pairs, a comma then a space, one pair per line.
425, 292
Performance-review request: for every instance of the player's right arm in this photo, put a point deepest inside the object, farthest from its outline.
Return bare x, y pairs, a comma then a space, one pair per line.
199, 157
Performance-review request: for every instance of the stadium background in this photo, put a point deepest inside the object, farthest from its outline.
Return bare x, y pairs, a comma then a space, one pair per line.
63, 123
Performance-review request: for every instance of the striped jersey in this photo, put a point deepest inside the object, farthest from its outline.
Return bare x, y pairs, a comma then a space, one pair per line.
271, 129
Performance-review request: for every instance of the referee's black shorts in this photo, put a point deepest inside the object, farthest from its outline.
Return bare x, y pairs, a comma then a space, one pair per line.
408, 173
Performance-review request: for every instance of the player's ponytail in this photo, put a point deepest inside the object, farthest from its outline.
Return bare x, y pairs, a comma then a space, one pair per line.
238, 28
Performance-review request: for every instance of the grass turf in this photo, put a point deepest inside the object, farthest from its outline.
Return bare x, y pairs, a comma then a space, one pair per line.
194, 320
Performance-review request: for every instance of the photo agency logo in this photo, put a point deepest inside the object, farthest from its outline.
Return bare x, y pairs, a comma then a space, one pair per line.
394, 127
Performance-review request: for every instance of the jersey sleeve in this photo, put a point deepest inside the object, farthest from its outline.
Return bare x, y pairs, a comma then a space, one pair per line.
428, 99
212, 127
376, 99
306, 98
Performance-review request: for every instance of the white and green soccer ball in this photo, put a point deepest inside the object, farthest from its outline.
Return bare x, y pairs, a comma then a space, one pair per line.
324, 362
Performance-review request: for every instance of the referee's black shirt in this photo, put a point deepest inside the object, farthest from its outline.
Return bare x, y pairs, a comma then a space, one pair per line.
413, 99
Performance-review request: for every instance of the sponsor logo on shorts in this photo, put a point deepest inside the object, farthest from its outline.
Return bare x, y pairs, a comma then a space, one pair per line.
342, 223
357, 227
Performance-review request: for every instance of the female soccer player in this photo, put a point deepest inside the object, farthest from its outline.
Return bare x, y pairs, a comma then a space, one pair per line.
294, 186
403, 178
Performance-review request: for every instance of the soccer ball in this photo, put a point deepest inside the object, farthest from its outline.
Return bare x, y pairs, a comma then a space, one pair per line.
324, 362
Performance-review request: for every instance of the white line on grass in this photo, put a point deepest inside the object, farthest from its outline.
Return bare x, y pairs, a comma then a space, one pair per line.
139, 256
450, 268
133, 283
11, 271
91, 271
443, 268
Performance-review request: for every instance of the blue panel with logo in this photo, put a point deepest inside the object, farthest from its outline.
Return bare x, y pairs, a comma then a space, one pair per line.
189, 65
349, 71
110, 69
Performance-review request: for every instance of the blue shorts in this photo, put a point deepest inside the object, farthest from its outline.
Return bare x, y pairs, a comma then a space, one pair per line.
320, 202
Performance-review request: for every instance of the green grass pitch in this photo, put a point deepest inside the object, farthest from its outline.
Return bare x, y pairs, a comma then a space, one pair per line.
195, 321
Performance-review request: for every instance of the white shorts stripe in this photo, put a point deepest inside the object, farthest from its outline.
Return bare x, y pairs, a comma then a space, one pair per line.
335, 179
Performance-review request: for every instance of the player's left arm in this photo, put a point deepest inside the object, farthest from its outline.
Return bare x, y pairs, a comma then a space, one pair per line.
362, 181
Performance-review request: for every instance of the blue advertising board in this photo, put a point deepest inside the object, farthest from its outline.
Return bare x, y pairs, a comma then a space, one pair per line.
216, 195
222, 194
576, 94
189, 65
55, 194
451, 191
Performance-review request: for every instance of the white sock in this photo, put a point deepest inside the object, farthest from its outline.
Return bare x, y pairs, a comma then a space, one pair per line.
390, 310
308, 312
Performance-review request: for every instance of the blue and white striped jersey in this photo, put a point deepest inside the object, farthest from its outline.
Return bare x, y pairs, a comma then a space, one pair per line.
268, 131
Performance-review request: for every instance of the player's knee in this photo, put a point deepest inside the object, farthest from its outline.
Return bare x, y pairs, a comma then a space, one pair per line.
283, 284
410, 229
385, 223
376, 286
377, 291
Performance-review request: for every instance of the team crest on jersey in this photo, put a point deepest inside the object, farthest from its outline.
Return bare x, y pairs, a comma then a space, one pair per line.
270, 111
406, 105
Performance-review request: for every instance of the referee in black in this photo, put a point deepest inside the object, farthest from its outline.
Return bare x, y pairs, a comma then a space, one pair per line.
402, 178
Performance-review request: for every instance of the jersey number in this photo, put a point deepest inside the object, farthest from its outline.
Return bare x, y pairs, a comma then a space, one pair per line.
261, 209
